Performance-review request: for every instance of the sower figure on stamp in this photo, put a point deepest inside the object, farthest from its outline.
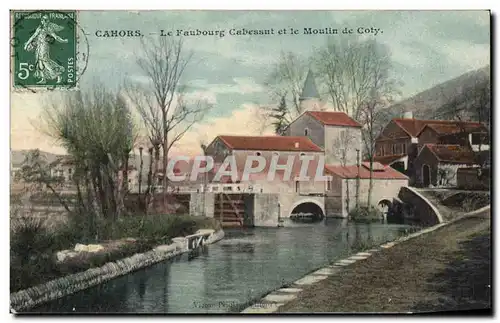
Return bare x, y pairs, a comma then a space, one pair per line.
40, 41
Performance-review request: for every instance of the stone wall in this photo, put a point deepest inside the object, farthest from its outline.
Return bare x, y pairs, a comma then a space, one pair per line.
202, 204
333, 206
337, 138
315, 129
423, 210
36, 295
383, 189
266, 210
468, 178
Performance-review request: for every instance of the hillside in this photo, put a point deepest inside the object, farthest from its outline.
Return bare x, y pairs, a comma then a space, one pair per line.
426, 104
17, 157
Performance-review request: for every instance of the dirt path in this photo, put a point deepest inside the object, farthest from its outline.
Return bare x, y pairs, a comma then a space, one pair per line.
445, 270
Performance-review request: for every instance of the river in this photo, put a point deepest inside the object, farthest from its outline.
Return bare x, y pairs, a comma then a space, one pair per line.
226, 276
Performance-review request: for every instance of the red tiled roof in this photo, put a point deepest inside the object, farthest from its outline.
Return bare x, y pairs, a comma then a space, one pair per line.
277, 143
364, 172
447, 129
332, 118
415, 126
455, 154
387, 160
375, 166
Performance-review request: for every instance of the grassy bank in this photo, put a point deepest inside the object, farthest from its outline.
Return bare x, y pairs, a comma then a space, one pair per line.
34, 247
445, 270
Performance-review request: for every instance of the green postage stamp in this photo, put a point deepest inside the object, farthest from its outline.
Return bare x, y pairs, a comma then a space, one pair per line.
44, 49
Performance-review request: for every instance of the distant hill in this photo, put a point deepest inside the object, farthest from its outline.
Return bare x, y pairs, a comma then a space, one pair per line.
17, 157
427, 104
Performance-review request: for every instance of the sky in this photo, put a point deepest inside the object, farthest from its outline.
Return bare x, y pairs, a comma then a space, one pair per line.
428, 47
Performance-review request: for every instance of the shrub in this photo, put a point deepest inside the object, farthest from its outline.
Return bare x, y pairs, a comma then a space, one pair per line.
33, 245
160, 227
365, 214
29, 236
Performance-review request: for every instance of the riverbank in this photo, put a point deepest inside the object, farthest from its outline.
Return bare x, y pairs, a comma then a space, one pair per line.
447, 269
36, 295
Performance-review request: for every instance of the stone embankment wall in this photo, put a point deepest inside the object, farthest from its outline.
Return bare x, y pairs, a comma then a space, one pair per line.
36, 295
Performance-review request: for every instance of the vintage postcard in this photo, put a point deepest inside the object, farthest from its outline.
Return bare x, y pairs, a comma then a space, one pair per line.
250, 162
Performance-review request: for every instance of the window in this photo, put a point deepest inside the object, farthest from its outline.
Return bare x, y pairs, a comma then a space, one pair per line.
302, 154
328, 185
479, 138
297, 186
258, 153
393, 149
306, 132
275, 153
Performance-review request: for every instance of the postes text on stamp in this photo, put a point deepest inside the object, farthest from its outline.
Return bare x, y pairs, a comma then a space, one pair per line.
44, 49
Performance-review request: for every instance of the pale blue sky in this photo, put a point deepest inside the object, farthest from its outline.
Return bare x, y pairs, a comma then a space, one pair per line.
428, 47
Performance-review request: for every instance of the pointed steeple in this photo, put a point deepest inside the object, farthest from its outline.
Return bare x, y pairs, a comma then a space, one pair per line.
309, 91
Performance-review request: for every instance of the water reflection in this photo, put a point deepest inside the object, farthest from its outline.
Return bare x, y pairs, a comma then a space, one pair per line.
223, 277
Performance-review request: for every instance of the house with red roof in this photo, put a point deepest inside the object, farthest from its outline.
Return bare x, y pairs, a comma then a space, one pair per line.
402, 139
332, 135
340, 197
280, 147
335, 132
437, 164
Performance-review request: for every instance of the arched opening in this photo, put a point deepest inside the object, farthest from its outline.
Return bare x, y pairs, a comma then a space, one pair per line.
426, 175
384, 206
307, 212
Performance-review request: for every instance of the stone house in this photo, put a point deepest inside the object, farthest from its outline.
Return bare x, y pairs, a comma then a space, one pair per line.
333, 142
132, 177
335, 132
341, 192
281, 148
473, 135
394, 144
65, 170
437, 164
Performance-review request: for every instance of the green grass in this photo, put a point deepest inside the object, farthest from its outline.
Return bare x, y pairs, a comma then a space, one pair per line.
33, 246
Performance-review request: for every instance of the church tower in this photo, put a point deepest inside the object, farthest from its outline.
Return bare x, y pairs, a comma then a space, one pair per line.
309, 99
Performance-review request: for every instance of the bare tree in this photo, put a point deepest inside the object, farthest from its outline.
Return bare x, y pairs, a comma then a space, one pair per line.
346, 67
381, 91
344, 145
286, 80
472, 102
161, 103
